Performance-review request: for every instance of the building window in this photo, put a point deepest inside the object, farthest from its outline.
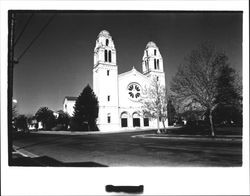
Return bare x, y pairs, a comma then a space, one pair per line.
157, 78
106, 55
110, 56
158, 64
107, 42
155, 63
108, 97
134, 91
147, 66
109, 118
146, 122
107, 72
155, 52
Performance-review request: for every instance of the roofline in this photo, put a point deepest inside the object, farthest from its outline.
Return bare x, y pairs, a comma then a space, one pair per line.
130, 71
69, 98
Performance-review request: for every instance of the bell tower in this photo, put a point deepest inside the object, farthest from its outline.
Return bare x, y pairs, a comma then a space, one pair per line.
105, 81
152, 63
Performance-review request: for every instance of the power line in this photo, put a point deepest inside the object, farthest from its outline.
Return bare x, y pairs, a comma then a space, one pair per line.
36, 37
21, 33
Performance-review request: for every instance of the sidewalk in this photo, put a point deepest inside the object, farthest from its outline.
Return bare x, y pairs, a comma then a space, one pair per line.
88, 132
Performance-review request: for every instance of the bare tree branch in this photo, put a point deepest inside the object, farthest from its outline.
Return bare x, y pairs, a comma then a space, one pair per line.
196, 80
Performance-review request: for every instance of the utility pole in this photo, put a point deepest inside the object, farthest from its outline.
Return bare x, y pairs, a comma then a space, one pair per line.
11, 27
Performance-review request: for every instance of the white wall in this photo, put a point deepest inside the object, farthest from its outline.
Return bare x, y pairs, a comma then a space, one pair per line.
68, 106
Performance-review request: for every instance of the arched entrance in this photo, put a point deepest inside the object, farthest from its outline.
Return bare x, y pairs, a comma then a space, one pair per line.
136, 120
124, 119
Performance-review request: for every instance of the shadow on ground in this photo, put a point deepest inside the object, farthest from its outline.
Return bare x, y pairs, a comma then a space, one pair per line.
48, 161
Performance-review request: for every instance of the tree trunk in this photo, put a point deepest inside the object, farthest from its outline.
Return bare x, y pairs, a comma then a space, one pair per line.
211, 123
163, 122
158, 128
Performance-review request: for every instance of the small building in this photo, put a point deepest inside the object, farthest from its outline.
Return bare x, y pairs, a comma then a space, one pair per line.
68, 105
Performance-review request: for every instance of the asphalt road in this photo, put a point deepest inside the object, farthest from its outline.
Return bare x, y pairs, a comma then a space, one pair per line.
121, 149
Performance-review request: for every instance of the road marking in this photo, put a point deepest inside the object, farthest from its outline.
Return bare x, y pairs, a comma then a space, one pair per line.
24, 153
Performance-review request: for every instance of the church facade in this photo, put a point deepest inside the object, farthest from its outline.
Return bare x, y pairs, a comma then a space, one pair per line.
119, 95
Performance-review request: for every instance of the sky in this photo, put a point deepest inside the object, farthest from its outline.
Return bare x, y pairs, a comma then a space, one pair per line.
59, 63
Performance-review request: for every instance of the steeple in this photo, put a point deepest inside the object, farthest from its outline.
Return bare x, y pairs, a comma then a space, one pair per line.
152, 59
104, 51
152, 63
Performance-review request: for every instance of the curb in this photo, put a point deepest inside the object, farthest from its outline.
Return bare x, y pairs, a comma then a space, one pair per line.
86, 133
187, 137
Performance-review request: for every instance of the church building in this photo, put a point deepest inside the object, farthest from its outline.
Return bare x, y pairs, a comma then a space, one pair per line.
119, 95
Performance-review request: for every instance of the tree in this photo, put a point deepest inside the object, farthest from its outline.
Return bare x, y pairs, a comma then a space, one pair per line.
47, 118
30, 119
196, 79
154, 105
86, 110
63, 119
21, 122
228, 96
171, 112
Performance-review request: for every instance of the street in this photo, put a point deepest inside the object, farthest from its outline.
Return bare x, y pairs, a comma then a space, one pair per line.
121, 149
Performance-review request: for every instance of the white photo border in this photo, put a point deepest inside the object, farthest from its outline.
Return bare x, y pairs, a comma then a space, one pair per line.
156, 180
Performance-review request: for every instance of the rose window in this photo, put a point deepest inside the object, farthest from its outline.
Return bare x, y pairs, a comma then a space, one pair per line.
134, 91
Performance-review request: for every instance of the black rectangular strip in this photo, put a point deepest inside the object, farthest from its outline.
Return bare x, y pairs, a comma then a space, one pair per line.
125, 189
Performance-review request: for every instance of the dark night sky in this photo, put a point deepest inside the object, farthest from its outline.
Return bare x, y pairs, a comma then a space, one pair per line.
60, 61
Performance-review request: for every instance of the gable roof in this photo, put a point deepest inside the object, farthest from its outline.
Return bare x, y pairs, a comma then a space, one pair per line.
132, 71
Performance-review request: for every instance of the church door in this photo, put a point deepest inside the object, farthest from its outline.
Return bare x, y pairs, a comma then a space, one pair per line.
124, 120
136, 120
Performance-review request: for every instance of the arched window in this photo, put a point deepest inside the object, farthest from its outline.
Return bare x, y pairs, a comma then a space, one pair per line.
106, 55
155, 52
107, 42
110, 56
146, 64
